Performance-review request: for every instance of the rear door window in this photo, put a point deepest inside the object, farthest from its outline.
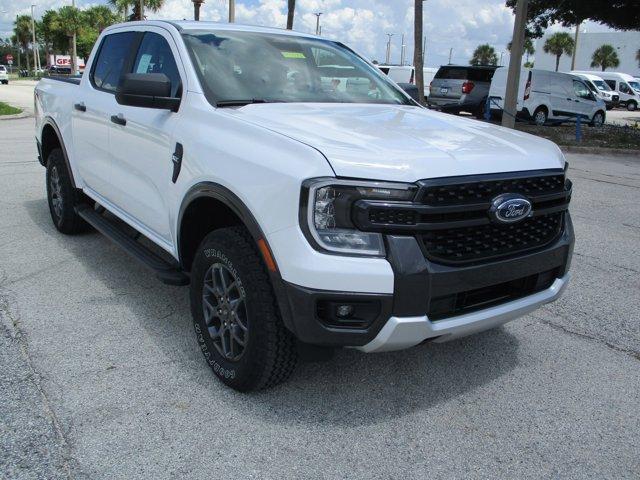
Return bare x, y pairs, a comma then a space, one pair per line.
110, 62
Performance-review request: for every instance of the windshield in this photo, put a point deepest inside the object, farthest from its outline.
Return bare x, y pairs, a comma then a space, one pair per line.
249, 67
635, 86
602, 85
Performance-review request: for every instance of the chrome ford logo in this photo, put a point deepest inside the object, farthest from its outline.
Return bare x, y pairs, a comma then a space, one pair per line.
510, 208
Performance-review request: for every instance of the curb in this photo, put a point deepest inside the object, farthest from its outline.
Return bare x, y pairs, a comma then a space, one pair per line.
599, 150
23, 114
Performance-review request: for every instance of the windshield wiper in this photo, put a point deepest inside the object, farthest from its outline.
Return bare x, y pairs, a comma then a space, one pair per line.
240, 103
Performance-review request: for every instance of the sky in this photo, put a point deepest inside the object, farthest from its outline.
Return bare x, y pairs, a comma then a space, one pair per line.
460, 25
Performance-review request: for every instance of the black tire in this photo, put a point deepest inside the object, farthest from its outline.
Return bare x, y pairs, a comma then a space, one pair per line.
269, 354
598, 119
632, 105
60, 187
540, 116
479, 113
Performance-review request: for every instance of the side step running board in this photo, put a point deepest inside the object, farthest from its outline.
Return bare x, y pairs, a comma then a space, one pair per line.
166, 272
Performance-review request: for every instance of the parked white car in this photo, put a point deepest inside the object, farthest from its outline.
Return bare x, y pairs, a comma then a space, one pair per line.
406, 74
304, 217
628, 87
4, 75
600, 89
548, 96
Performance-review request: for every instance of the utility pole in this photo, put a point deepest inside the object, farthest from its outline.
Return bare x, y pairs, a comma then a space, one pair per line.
33, 42
402, 47
418, 64
450, 54
74, 50
389, 47
232, 11
501, 55
575, 46
515, 65
318, 22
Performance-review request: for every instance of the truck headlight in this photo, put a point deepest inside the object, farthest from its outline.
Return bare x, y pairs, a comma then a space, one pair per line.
326, 213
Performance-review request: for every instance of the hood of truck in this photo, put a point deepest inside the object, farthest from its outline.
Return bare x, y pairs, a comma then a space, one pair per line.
403, 143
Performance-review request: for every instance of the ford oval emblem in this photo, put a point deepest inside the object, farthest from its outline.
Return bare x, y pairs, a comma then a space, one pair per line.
510, 208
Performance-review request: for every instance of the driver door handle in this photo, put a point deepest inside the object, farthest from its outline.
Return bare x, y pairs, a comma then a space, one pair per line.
119, 119
80, 107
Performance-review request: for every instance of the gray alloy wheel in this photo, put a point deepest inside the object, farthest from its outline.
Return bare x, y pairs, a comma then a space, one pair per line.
56, 192
225, 311
598, 120
540, 117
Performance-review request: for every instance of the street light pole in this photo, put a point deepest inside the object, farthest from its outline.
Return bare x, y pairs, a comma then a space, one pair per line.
74, 52
318, 22
389, 47
402, 47
232, 11
515, 65
33, 42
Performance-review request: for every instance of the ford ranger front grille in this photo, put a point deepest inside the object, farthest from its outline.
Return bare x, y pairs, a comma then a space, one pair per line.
452, 220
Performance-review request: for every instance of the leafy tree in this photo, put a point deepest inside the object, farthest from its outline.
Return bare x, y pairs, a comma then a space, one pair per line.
529, 49
618, 14
52, 38
69, 21
22, 34
291, 8
122, 7
604, 57
484, 55
559, 44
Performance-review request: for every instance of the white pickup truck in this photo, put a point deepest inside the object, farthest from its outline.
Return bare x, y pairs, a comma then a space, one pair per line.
307, 201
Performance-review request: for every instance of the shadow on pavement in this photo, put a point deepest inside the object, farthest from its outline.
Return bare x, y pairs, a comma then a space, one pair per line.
350, 390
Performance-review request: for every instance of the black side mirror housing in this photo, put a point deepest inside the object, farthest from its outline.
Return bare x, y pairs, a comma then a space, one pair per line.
148, 90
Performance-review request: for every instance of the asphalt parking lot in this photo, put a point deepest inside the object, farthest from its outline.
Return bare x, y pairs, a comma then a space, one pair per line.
101, 376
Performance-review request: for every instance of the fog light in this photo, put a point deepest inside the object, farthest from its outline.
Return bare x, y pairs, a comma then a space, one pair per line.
344, 311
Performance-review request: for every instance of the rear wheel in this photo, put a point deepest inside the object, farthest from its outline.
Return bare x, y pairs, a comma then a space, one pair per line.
235, 314
632, 105
62, 196
540, 116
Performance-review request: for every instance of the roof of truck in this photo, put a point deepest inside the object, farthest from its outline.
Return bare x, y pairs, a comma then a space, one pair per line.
183, 25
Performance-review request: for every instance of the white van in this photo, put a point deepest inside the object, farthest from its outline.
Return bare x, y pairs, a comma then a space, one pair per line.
544, 95
627, 87
406, 74
600, 89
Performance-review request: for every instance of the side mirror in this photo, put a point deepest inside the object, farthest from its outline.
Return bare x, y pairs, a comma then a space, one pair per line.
149, 90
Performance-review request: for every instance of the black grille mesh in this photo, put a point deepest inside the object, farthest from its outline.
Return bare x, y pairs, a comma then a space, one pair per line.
487, 241
478, 192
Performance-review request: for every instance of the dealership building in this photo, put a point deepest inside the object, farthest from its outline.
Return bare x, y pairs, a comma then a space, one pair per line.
625, 43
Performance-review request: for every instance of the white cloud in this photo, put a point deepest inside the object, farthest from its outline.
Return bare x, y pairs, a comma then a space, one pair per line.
362, 24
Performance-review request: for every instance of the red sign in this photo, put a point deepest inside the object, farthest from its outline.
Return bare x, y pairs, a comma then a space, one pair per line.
8, 57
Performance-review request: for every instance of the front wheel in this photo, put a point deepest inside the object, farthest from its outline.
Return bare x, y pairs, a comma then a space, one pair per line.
235, 314
597, 120
632, 106
540, 116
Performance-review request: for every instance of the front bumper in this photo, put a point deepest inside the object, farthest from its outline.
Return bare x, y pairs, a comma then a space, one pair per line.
401, 319
404, 332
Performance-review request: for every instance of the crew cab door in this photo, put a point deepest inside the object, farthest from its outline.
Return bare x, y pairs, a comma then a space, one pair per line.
142, 143
90, 115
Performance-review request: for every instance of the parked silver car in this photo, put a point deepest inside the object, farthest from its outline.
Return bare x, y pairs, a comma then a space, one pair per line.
462, 88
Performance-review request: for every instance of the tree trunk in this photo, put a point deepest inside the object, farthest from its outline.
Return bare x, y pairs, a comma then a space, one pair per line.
73, 60
557, 62
418, 60
196, 11
290, 13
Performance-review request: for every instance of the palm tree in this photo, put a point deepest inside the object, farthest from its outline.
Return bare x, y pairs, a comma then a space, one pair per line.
529, 49
99, 17
291, 4
484, 55
153, 5
22, 33
69, 21
558, 44
122, 7
196, 9
638, 57
604, 57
